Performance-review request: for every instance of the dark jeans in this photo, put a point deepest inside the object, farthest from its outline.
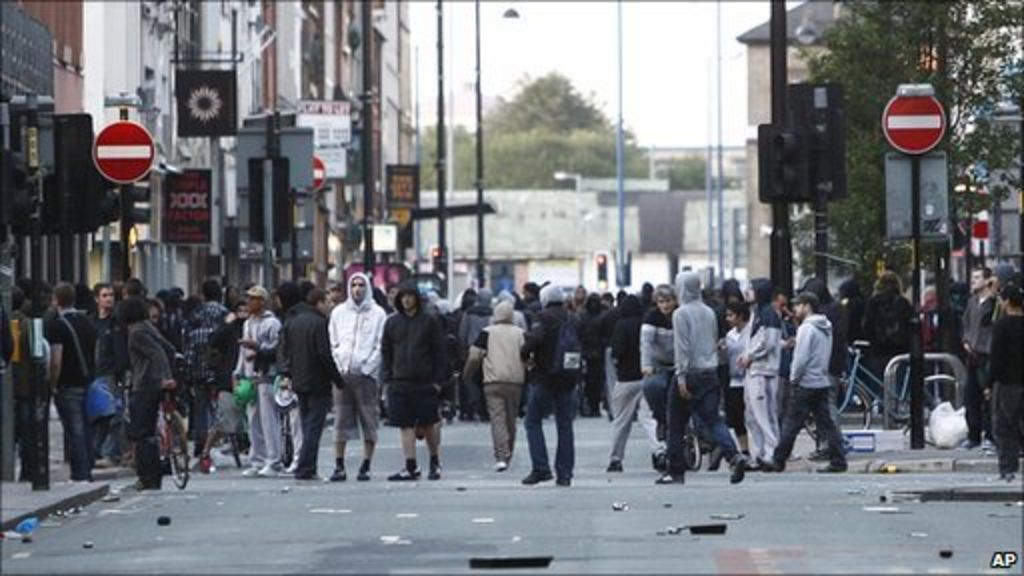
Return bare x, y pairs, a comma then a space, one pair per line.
22, 434
656, 394
471, 404
593, 384
71, 407
979, 417
705, 396
313, 412
804, 401
199, 415
1008, 409
542, 399
145, 409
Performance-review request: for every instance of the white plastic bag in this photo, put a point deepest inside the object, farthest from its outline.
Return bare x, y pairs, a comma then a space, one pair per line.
948, 427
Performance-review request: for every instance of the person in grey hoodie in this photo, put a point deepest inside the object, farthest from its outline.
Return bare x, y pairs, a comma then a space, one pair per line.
810, 379
478, 317
761, 362
695, 331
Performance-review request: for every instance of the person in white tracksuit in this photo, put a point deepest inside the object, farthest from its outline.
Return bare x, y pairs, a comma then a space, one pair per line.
256, 360
355, 330
761, 387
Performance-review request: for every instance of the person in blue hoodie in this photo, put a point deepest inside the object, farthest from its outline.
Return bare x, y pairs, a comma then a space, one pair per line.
695, 337
810, 379
761, 362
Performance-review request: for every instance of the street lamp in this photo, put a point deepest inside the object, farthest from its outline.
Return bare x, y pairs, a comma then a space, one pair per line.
620, 185
481, 281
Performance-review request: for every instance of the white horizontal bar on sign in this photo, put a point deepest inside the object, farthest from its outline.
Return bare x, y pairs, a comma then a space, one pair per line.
914, 122
124, 152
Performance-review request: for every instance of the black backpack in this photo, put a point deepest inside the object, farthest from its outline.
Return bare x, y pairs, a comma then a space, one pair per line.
890, 324
567, 361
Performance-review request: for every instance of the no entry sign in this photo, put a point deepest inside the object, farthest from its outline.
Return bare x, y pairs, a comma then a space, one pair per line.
914, 124
123, 152
319, 173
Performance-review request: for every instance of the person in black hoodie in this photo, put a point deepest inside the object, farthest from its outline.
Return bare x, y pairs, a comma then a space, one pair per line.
556, 386
307, 361
853, 302
628, 395
414, 367
593, 355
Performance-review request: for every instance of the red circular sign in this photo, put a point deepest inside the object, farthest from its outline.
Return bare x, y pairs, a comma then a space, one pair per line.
319, 173
914, 124
123, 152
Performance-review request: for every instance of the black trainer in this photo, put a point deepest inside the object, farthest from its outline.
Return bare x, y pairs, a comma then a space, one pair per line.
715, 460
364, 472
339, 475
564, 482
536, 477
614, 466
739, 469
832, 469
405, 476
435, 472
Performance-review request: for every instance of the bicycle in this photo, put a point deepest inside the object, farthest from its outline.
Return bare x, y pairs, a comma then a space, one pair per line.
173, 439
231, 437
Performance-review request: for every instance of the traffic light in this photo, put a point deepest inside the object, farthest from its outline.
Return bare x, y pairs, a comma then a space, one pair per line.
282, 201
817, 111
782, 158
77, 190
131, 213
437, 258
14, 201
602, 270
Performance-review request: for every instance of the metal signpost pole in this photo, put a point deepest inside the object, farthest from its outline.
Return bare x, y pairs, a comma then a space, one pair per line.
916, 352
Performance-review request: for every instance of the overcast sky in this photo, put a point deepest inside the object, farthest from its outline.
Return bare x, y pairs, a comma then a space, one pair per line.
668, 59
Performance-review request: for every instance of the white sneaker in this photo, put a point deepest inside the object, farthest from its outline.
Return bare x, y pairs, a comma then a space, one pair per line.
270, 471
250, 472
501, 466
293, 468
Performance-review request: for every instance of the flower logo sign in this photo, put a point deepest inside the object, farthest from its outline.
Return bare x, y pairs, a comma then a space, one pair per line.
206, 103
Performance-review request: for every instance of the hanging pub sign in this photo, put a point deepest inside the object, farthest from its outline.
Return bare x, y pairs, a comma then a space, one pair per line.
206, 102
186, 211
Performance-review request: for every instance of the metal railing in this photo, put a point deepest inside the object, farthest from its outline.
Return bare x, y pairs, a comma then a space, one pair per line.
957, 381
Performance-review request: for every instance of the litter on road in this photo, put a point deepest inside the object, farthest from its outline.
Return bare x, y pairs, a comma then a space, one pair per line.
728, 516
483, 520
511, 562
407, 515
945, 554
163, 521
620, 506
330, 511
87, 545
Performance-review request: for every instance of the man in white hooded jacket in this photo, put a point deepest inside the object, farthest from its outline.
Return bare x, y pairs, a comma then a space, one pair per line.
355, 330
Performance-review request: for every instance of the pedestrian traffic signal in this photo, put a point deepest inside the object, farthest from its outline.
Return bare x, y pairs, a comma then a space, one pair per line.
782, 164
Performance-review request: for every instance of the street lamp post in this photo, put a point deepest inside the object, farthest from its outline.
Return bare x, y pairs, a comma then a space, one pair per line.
481, 282
621, 259
442, 212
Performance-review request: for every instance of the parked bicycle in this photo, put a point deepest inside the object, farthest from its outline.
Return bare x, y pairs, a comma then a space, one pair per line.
173, 439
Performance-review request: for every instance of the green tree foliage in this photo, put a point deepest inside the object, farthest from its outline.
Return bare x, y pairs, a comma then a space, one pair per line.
970, 51
547, 127
688, 173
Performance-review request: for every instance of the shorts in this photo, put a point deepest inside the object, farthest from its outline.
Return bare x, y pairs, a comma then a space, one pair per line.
735, 409
228, 418
409, 407
357, 404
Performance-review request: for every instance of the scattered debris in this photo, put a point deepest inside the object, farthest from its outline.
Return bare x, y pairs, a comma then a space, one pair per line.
407, 515
511, 562
886, 510
945, 554
696, 530
666, 505
1002, 515
517, 539
728, 516
111, 498
20, 555
163, 521
883, 498
890, 469
87, 545
855, 492
460, 488
286, 489
394, 540
483, 520
918, 534
331, 511
620, 506
27, 526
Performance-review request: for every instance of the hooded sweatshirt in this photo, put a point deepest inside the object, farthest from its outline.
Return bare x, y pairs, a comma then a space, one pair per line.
499, 347
695, 329
837, 316
812, 352
518, 318
413, 348
765, 346
657, 347
626, 341
475, 319
355, 331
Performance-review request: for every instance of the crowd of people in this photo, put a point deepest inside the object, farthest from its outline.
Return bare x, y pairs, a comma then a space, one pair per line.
743, 370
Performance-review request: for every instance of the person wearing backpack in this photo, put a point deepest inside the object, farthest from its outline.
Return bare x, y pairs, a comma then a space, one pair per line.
887, 317
72, 340
554, 345
498, 348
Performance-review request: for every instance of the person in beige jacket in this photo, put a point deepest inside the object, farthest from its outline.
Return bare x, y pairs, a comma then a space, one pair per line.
498, 349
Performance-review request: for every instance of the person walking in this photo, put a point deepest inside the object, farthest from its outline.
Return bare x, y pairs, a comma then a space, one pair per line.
657, 363
977, 343
307, 362
198, 327
257, 362
810, 389
737, 314
592, 338
72, 341
761, 362
108, 431
628, 395
697, 389
415, 366
554, 345
498, 348
838, 317
150, 358
1006, 381
356, 328
472, 322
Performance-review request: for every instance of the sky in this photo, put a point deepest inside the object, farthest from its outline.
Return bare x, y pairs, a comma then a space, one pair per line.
668, 60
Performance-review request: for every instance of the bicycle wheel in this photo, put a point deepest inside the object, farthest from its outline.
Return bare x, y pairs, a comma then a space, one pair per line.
691, 451
177, 452
858, 410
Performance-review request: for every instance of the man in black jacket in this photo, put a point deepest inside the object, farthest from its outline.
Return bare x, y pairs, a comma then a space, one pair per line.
414, 367
554, 386
307, 361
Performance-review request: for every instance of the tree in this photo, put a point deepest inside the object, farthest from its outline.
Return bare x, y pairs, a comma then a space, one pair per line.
547, 127
688, 173
970, 52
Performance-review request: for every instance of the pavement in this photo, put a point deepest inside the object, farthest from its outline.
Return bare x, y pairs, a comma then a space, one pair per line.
607, 523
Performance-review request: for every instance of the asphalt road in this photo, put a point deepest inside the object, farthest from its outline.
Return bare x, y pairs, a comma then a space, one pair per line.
792, 523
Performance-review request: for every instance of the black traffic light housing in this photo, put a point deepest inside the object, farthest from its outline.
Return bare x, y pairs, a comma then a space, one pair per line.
131, 213
282, 201
782, 164
14, 200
